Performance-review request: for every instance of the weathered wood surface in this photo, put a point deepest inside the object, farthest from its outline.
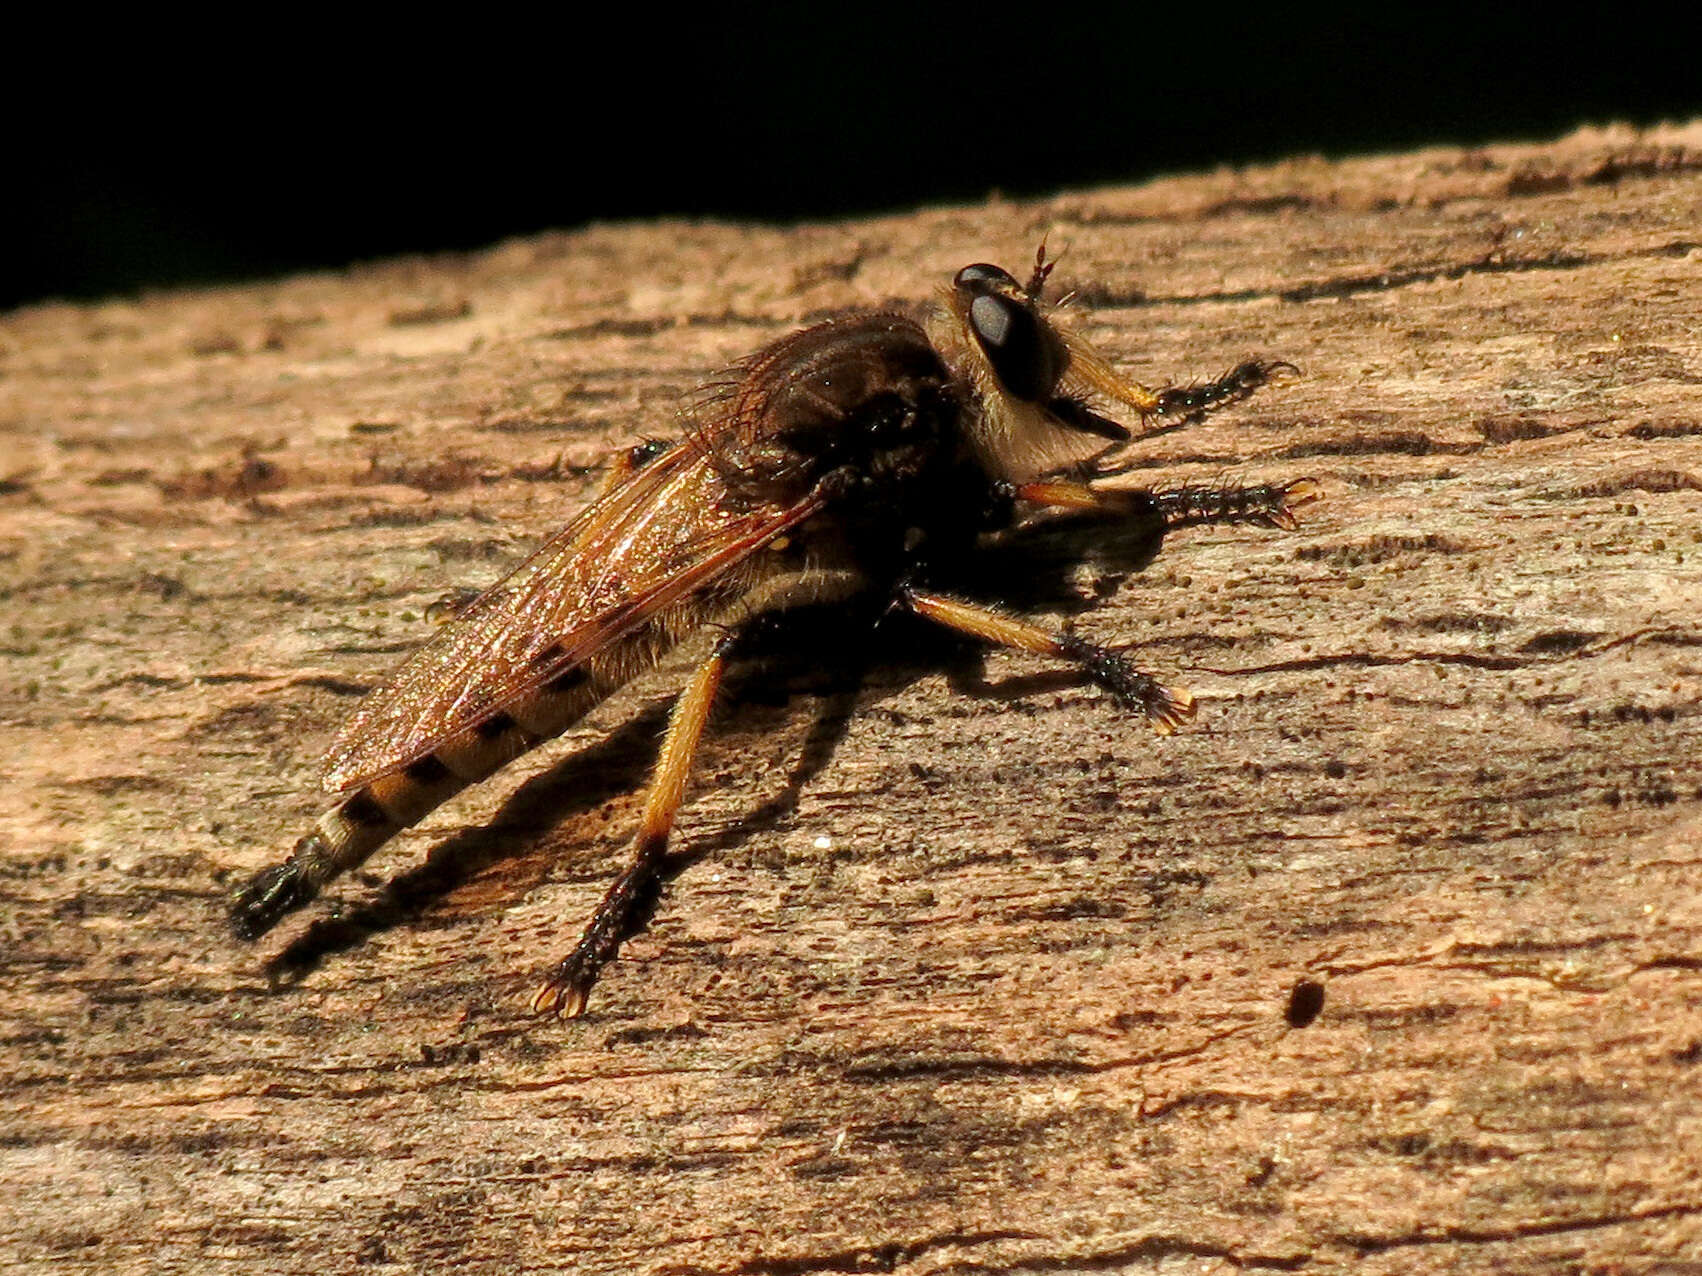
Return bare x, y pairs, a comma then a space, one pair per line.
979, 976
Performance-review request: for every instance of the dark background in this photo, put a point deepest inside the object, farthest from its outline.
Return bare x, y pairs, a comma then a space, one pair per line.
211, 154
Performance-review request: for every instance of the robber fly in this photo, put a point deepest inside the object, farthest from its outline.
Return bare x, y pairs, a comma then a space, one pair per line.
837, 461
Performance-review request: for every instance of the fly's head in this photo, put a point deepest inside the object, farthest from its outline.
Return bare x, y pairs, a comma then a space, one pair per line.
1020, 372
1010, 337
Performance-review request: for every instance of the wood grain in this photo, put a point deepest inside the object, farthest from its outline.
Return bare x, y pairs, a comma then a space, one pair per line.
971, 973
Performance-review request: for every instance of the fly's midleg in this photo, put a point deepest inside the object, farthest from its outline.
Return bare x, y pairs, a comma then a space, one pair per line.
569, 983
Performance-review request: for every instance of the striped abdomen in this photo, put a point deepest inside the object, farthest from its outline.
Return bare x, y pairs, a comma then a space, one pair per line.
376, 811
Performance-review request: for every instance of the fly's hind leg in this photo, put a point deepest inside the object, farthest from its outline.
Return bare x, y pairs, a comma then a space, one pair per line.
565, 991
1165, 707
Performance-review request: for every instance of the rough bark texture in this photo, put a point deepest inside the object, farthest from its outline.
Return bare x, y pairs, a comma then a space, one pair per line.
972, 973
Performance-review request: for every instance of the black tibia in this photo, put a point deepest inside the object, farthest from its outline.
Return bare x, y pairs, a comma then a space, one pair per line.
1133, 688
1164, 708
1237, 384
569, 983
1272, 504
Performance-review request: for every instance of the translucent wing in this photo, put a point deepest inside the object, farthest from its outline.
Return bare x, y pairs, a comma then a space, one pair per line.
646, 543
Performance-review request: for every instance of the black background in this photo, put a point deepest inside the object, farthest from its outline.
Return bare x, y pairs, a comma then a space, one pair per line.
294, 141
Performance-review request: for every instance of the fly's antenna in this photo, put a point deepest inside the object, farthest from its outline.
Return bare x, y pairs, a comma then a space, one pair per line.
1042, 269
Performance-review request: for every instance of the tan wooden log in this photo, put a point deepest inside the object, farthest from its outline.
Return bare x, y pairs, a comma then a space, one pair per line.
973, 973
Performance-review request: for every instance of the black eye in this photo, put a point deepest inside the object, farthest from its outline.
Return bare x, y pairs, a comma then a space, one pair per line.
1017, 344
982, 278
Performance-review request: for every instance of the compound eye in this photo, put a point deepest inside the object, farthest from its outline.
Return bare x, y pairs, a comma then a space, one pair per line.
983, 278
1017, 345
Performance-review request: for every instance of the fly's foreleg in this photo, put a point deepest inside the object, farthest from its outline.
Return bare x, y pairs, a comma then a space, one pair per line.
1270, 504
1192, 402
1164, 410
565, 991
1210, 504
1166, 708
